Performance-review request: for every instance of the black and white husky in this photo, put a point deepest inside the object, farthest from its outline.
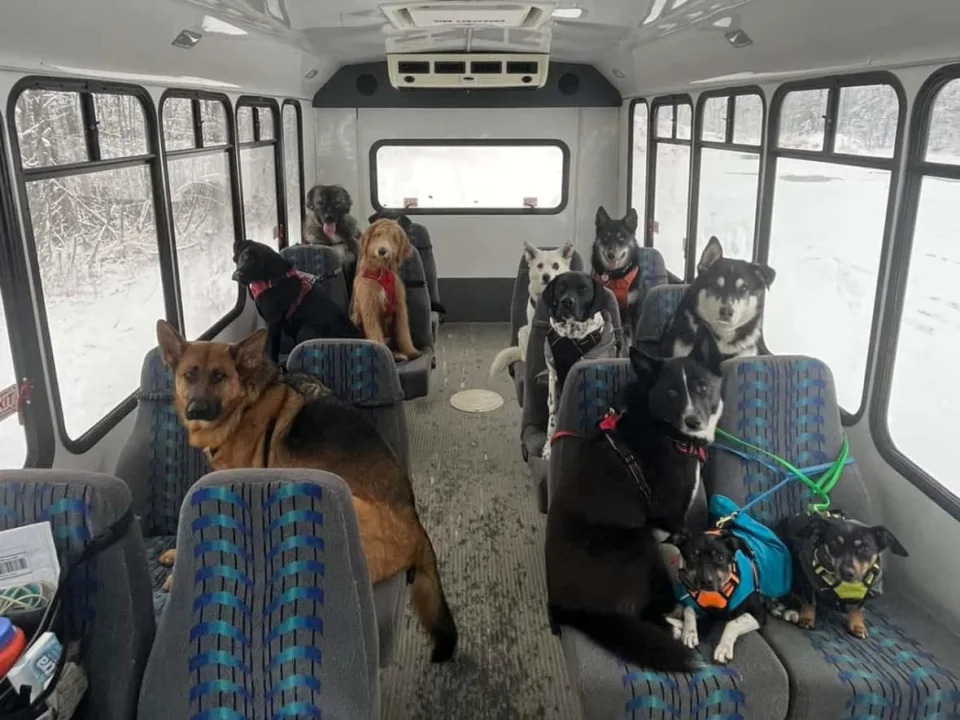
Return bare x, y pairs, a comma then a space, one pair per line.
728, 297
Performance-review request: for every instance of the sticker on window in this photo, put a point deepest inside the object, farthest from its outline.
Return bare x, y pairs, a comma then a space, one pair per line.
409, 202
530, 202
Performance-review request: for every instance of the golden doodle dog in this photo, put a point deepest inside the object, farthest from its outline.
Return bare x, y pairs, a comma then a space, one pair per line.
379, 305
242, 413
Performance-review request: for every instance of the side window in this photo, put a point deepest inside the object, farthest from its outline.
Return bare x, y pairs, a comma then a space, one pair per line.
199, 157
731, 128
831, 200
638, 160
90, 169
13, 441
259, 167
671, 181
293, 167
929, 324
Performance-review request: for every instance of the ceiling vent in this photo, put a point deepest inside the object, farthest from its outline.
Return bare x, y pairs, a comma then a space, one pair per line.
426, 14
468, 70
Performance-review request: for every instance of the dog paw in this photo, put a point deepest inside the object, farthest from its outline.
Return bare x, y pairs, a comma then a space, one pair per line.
168, 583
676, 626
400, 357
806, 618
723, 653
690, 638
782, 612
168, 558
858, 630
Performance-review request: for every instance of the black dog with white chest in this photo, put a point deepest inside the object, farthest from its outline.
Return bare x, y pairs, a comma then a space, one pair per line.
293, 306
728, 297
638, 475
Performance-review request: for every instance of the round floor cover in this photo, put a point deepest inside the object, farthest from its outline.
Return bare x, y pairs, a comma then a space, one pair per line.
476, 401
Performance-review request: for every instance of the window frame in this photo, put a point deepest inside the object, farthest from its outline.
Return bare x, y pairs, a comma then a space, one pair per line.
152, 160
631, 141
233, 154
21, 328
829, 156
473, 142
898, 272
728, 144
254, 102
298, 108
652, 147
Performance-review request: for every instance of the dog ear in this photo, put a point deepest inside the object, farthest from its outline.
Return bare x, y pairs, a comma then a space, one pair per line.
632, 220
171, 343
530, 251
766, 273
599, 301
313, 197
644, 365
706, 351
405, 222
887, 540
365, 239
711, 253
603, 217
250, 353
813, 529
566, 252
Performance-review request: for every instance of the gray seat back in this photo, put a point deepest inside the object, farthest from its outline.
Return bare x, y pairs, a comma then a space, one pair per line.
109, 602
418, 300
535, 410
323, 263
653, 271
420, 237
271, 610
361, 373
659, 305
786, 405
157, 462
521, 292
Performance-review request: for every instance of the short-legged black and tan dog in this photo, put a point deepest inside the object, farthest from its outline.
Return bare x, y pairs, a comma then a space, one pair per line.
236, 407
637, 475
836, 564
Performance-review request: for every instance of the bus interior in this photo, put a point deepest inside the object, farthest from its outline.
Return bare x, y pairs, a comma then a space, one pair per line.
141, 141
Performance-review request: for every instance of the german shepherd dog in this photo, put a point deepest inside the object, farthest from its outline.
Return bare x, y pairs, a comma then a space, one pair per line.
635, 478
294, 308
728, 297
236, 407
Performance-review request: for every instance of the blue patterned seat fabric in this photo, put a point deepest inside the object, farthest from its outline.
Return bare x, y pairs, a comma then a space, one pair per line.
658, 307
271, 612
324, 264
108, 605
754, 685
908, 666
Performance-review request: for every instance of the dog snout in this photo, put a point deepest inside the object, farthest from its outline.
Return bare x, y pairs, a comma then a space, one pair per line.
848, 573
693, 422
382, 251
202, 410
546, 278
328, 218
726, 312
611, 254
567, 302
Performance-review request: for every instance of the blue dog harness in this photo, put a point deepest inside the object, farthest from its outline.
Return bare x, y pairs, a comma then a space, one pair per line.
766, 568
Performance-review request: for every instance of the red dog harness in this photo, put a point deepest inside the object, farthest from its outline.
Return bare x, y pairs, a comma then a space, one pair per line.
388, 281
306, 284
619, 285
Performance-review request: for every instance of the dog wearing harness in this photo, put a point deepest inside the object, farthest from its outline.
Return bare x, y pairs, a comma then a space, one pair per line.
836, 564
616, 260
727, 574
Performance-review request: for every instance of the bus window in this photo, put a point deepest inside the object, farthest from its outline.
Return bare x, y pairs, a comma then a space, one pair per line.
13, 441
293, 167
671, 182
198, 159
259, 165
922, 385
831, 200
729, 181
638, 160
494, 176
93, 225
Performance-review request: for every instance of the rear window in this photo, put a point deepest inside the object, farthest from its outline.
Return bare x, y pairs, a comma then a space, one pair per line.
496, 177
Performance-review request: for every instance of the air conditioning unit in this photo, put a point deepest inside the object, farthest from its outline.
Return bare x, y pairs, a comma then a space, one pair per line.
468, 70
425, 14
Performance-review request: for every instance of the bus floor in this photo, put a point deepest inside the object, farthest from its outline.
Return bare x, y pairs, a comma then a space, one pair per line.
478, 504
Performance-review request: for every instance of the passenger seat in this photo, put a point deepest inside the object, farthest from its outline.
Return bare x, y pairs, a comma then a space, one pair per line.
909, 666
415, 374
658, 308
361, 373
752, 687
108, 601
271, 610
324, 264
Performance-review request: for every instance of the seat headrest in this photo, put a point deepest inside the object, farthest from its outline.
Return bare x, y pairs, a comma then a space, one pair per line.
360, 372
156, 380
318, 260
412, 271
598, 386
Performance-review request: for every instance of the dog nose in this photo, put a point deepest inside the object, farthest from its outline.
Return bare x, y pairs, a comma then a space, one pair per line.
847, 573
611, 254
693, 422
566, 302
202, 410
382, 251
726, 312
546, 278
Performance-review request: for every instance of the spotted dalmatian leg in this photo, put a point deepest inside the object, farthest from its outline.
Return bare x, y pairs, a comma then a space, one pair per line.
552, 411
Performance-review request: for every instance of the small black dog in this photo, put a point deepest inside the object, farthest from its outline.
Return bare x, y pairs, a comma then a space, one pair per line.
578, 329
329, 222
616, 259
639, 474
836, 562
728, 296
295, 309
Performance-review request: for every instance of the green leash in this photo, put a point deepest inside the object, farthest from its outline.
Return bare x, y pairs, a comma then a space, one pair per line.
821, 487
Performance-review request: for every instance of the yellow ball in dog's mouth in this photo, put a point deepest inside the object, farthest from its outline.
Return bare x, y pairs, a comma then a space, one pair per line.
476, 401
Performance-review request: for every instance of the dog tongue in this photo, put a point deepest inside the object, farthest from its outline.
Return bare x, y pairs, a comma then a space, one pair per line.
330, 230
